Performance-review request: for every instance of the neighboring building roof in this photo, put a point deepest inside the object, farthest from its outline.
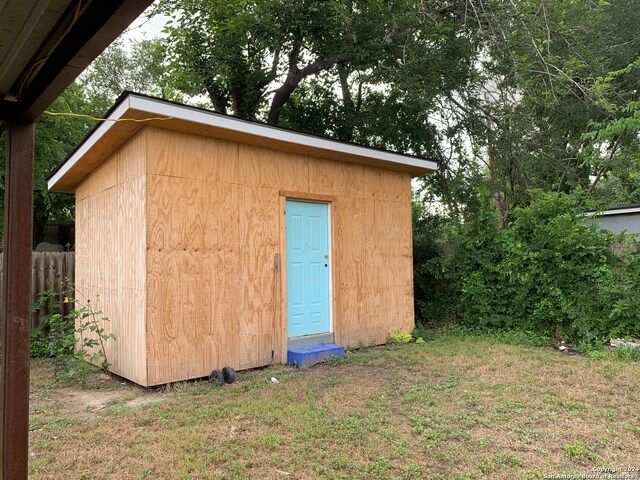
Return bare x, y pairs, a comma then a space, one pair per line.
619, 210
106, 137
616, 219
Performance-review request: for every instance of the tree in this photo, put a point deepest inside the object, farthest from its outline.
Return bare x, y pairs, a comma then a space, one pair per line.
367, 71
55, 138
139, 67
535, 92
617, 180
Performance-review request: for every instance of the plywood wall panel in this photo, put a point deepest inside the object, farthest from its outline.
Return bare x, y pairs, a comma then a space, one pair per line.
220, 161
175, 343
294, 172
180, 213
110, 252
349, 216
336, 178
259, 166
174, 154
381, 184
259, 244
265, 168
389, 213
177, 282
131, 159
109, 237
162, 302
131, 334
105, 177
81, 256
226, 309
178, 154
193, 277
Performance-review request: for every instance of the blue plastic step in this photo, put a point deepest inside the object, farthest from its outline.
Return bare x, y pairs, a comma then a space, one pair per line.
308, 356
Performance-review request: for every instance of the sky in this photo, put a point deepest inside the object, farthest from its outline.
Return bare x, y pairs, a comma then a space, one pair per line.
144, 27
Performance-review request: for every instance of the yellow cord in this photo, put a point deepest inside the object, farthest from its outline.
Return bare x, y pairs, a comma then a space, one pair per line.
46, 57
98, 119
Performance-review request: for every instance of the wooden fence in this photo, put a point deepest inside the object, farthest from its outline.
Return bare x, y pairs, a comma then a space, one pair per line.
49, 270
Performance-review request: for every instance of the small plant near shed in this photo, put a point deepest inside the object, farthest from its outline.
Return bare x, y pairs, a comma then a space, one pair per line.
91, 336
401, 337
68, 340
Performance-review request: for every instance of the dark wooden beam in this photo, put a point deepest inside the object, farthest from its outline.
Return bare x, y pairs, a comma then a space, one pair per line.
8, 110
16, 310
99, 25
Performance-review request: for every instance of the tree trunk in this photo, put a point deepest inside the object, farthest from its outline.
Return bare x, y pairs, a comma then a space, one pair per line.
280, 99
294, 77
217, 99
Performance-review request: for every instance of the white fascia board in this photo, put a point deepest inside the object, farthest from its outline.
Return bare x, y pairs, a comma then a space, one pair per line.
180, 112
89, 142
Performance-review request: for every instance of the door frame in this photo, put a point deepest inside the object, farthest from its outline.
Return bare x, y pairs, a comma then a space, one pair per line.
310, 198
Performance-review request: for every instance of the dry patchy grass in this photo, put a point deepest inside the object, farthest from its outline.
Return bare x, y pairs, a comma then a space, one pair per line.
451, 408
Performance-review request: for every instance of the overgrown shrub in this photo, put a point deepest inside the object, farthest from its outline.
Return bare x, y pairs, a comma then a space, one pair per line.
547, 272
623, 296
432, 295
53, 337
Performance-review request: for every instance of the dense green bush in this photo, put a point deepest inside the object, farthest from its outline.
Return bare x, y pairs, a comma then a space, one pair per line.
431, 292
623, 297
546, 272
53, 337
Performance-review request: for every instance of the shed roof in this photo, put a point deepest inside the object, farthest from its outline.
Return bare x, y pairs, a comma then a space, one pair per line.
105, 138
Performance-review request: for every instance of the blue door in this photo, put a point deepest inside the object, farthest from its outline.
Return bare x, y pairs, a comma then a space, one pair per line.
307, 268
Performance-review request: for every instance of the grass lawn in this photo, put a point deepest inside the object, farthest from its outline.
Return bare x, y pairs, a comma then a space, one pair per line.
450, 408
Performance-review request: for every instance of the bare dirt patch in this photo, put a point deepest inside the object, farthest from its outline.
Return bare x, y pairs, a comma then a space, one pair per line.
77, 403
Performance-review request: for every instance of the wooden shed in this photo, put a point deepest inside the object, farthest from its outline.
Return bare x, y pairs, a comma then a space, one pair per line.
213, 241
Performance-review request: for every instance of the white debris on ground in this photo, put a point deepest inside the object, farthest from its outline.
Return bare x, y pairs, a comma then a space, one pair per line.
619, 343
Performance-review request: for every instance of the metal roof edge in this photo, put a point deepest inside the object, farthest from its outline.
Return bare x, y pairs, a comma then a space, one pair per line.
613, 211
